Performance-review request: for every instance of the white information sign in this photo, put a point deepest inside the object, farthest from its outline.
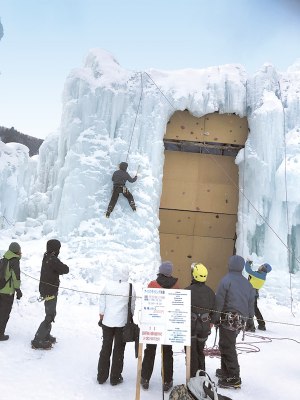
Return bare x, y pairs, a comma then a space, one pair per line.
166, 316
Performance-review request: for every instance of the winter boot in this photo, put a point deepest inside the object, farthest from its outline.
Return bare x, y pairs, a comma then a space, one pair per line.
117, 382
4, 337
108, 212
230, 382
132, 205
51, 339
145, 383
250, 327
167, 386
100, 380
220, 373
261, 327
41, 344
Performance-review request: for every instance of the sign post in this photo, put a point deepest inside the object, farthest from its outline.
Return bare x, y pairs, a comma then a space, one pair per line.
166, 319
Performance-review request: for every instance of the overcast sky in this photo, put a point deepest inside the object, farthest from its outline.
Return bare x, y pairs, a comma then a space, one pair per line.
45, 39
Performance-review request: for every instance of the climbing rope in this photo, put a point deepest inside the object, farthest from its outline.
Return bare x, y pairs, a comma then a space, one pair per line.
140, 297
136, 115
290, 253
6, 220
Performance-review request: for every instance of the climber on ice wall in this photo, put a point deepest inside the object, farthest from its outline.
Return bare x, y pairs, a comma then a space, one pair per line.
119, 178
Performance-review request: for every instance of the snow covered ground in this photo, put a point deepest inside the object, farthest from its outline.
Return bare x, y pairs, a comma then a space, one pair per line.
68, 371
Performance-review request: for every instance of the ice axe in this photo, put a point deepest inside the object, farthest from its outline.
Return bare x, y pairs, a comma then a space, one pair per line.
137, 170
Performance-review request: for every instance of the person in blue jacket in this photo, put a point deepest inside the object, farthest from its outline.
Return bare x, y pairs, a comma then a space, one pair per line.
235, 305
257, 280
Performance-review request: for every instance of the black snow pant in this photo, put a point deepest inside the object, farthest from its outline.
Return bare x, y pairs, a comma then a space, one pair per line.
258, 315
111, 336
197, 354
229, 358
44, 329
6, 303
115, 195
149, 358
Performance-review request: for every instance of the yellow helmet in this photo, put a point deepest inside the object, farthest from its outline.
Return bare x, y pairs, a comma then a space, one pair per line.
200, 272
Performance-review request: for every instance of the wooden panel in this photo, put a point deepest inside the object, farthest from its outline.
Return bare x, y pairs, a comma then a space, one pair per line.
178, 195
181, 166
215, 225
183, 250
199, 182
216, 198
214, 254
184, 126
226, 128
217, 169
197, 223
218, 128
176, 221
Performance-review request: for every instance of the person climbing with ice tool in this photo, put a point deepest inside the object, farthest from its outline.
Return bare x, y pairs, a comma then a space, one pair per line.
119, 178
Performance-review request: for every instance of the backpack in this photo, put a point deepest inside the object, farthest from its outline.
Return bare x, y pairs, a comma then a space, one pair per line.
198, 388
3, 265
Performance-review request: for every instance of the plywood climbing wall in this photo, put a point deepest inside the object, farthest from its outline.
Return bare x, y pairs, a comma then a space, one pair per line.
200, 197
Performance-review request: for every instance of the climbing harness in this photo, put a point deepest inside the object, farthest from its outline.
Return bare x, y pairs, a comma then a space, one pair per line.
233, 321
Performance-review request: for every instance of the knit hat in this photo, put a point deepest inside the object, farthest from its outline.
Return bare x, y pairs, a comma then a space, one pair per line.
166, 268
123, 166
53, 245
15, 247
265, 268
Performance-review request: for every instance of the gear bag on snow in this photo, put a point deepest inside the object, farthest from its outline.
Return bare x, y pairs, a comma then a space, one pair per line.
3, 266
198, 388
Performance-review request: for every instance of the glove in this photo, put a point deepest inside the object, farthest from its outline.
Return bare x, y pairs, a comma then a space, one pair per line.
19, 293
100, 323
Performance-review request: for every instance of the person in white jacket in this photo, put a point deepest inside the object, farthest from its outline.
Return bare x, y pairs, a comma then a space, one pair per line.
113, 308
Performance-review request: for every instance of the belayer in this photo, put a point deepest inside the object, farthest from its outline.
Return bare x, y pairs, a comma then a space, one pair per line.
257, 280
119, 178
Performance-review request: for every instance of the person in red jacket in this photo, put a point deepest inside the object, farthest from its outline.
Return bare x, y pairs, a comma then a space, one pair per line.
164, 280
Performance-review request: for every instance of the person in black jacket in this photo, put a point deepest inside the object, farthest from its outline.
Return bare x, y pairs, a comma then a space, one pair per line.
202, 316
52, 267
11, 265
119, 178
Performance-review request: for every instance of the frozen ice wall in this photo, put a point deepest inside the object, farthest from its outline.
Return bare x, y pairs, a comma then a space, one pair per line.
14, 164
111, 115
1, 30
268, 220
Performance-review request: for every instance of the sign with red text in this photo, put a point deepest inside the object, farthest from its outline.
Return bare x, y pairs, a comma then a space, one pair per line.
166, 316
